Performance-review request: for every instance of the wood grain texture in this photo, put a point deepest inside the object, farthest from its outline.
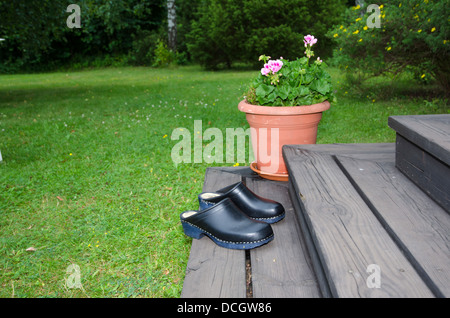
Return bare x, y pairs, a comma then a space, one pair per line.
418, 225
423, 153
429, 132
346, 234
282, 268
377, 151
213, 271
425, 170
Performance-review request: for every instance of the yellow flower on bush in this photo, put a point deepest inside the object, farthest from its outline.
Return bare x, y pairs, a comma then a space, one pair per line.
335, 35
433, 29
388, 49
423, 75
420, 30
365, 28
359, 19
356, 32
360, 40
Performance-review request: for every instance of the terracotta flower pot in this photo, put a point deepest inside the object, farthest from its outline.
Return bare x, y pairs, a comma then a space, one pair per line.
272, 127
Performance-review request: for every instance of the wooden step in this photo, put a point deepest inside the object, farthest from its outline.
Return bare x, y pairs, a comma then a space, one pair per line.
212, 271
355, 226
360, 212
423, 153
279, 269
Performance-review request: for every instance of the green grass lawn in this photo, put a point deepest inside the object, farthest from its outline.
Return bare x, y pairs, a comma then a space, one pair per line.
87, 176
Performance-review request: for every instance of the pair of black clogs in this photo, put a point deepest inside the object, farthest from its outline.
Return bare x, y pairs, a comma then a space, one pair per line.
233, 217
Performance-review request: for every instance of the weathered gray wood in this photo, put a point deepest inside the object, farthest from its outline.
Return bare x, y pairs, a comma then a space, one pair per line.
213, 271
429, 173
281, 269
313, 254
383, 152
416, 222
423, 153
377, 151
346, 234
429, 132
244, 172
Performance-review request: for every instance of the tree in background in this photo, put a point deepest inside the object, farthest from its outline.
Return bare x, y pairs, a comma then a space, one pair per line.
227, 31
28, 28
413, 35
172, 24
156, 32
36, 34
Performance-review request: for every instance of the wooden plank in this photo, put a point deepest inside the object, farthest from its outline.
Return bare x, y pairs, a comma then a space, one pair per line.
383, 152
429, 173
313, 254
419, 226
346, 234
282, 268
213, 271
376, 151
244, 172
429, 132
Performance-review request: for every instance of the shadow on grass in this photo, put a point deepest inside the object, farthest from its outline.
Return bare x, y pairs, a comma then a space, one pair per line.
388, 89
44, 94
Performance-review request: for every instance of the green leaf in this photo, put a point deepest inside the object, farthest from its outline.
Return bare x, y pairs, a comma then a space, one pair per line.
307, 78
263, 90
283, 91
321, 85
303, 91
306, 100
303, 60
271, 97
299, 92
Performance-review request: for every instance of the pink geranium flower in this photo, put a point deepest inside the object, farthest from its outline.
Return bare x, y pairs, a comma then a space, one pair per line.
265, 70
310, 40
275, 66
272, 66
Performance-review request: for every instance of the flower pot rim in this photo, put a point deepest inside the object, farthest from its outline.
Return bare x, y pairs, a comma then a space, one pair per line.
248, 108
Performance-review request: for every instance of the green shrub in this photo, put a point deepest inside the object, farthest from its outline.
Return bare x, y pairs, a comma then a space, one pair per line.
214, 33
142, 52
163, 56
227, 31
413, 35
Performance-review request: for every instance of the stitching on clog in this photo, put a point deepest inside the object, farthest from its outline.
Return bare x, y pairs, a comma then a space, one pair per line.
228, 242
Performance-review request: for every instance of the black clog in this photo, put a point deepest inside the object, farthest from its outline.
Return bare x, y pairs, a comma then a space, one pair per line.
227, 226
254, 206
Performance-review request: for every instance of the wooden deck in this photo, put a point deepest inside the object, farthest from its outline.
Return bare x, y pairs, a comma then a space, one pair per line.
356, 226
